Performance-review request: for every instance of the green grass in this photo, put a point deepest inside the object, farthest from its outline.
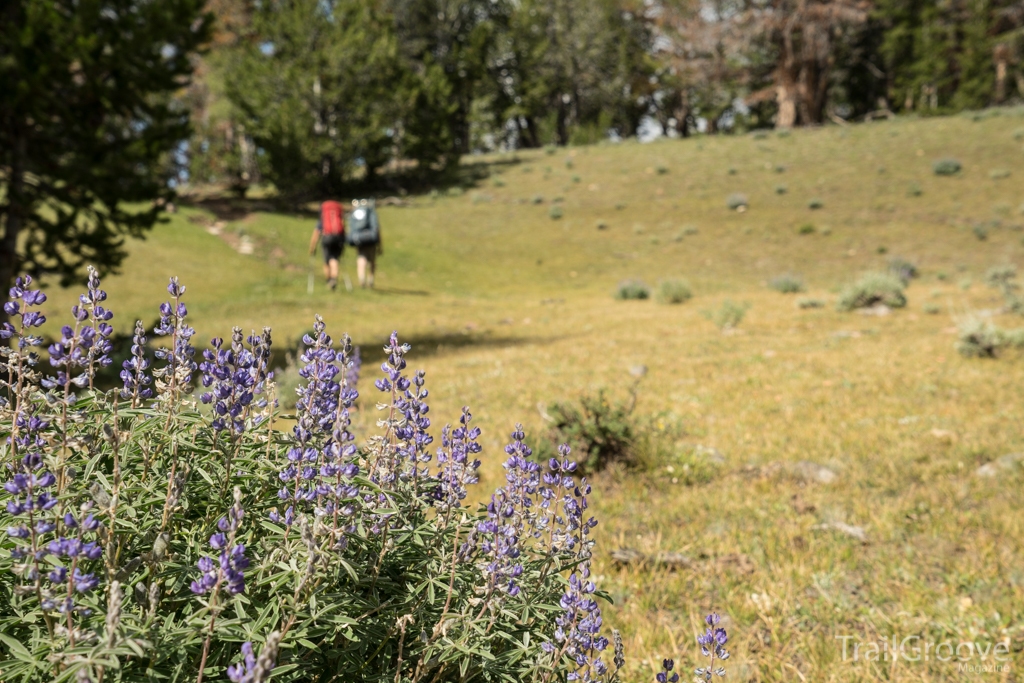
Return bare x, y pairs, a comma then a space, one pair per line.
507, 309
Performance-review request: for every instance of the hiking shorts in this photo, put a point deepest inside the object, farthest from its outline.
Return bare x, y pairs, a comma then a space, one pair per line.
333, 246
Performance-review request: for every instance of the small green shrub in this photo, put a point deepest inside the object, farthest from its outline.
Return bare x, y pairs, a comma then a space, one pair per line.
736, 201
932, 309
674, 291
620, 206
780, 189
808, 302
632, 289
661, 170
914, 190
1004, 278
872, 289
568, 164
883, 250
576, 179
787, 284
435, 193
549, 149
903, 269
948, 166
980, 232
555, 212
1014, 338
815, 204
784, 133
806, 229
690, 230
729, 315
498, 182
780, 169
537, 199
455, 191
600, 430
1018, 134
999, 173
978, 338
601, 225
759, 135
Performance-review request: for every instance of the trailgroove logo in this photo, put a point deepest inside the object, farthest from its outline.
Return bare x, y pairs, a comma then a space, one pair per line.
969, 656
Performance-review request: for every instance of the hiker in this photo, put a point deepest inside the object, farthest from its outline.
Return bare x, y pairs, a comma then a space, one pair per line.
364, 235
330, 232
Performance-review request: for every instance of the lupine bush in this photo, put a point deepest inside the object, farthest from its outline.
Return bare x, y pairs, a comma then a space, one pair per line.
156, 533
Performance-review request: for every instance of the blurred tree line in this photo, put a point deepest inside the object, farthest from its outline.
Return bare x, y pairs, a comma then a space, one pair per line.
104, 102
311, 94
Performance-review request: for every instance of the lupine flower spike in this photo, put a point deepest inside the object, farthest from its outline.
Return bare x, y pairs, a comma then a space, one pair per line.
667, 675
712, 645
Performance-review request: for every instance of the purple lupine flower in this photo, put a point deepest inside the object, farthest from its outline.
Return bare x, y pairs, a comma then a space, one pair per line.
253, 669
336, 490
411, 429
667, 675
712, 645
578, 628
232, 562
18, 360
98, 353
76, 553
176, 375
390, 460
563, 508
82, 346
355, 366
261, 346
508, 520
317, 414
456, 471
133, 375
235, 376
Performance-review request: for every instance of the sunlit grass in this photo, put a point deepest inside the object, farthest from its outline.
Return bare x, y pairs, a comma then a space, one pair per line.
507, 308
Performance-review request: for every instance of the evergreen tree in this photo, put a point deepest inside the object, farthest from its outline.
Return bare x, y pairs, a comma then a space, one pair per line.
88, 124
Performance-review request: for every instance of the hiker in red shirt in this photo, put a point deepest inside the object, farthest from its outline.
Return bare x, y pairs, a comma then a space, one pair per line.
330, 232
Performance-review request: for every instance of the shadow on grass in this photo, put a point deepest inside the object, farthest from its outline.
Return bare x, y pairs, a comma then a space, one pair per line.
390, 189
443, 344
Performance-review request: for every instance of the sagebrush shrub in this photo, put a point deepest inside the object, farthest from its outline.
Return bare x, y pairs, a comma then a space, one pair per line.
1004, 278
806, 229
674, 291
947, 166
736, 201
978, 338
555, 212
815, 204
632, 289
787, 284
153, 536
808, 302
872, 289
902, 268
729, 315
780, 189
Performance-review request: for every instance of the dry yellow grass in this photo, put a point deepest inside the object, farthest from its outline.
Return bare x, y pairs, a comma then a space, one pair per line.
507, 308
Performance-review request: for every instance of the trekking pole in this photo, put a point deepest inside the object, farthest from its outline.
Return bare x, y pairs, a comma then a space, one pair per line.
309, 279
348, 282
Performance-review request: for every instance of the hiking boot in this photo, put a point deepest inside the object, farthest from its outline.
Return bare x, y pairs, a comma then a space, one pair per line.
332, 283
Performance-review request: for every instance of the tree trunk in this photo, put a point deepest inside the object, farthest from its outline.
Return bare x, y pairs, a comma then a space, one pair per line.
13, 223
785, 96
561, 123
1001, 55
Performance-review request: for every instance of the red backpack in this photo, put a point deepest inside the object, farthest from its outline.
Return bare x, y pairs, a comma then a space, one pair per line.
332, 218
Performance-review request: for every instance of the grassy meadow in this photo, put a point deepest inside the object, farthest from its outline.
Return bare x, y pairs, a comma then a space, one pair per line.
508, 307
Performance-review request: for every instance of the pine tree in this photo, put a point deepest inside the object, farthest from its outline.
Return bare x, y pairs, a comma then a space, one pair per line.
88, 125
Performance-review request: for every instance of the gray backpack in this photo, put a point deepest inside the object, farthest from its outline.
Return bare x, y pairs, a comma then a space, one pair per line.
362, 225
